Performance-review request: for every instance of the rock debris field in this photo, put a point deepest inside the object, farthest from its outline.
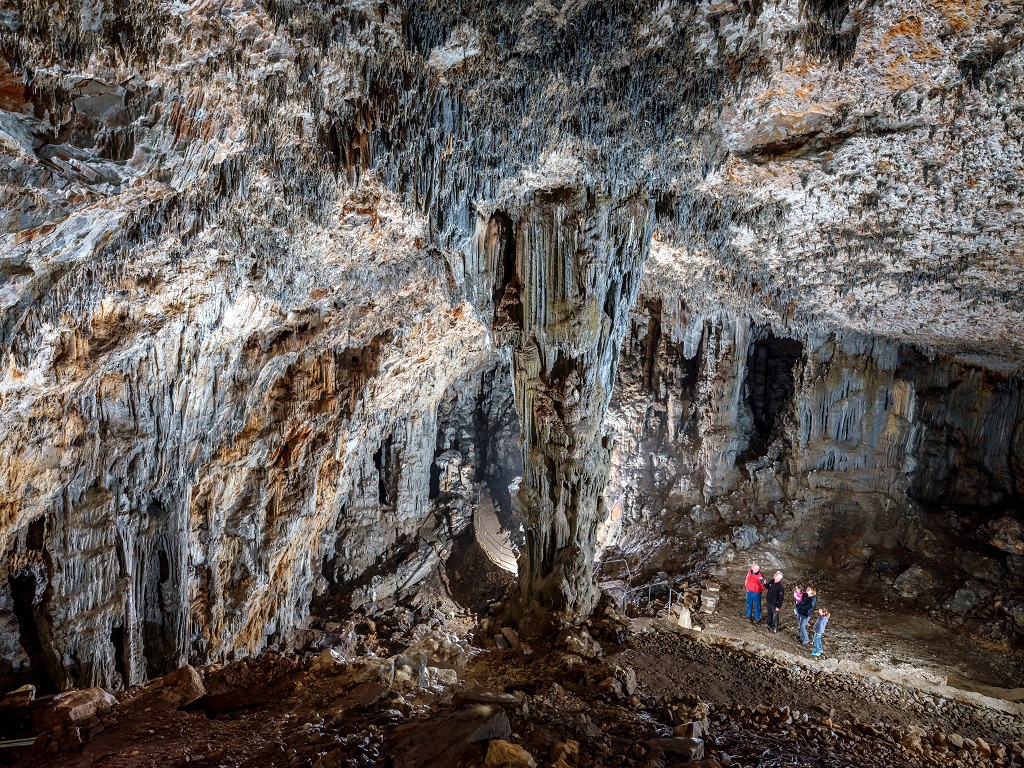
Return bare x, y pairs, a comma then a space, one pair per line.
616, 692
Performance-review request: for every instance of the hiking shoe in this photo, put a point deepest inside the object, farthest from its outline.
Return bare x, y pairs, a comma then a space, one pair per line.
815, 653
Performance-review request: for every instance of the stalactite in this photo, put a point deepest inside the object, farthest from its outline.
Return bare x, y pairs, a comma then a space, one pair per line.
574, 247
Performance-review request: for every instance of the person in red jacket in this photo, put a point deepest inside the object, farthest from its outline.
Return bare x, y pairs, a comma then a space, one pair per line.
755, 586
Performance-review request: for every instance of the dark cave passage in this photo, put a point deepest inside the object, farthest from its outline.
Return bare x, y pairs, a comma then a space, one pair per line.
770, 385
157, 630
24, 586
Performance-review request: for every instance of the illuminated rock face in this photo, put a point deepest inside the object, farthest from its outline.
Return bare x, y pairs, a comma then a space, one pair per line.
841, 443
180, 495
258, 260
579, 257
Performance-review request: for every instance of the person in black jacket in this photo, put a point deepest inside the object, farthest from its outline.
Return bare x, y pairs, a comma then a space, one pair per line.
776, 592
804, 610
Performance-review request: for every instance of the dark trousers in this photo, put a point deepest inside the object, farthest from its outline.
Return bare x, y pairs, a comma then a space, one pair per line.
773, 617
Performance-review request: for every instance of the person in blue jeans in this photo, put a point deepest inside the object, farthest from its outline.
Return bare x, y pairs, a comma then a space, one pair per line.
819, 631
755, 586
804, 611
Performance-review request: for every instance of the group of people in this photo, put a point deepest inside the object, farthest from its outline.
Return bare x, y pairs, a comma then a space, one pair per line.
774, 592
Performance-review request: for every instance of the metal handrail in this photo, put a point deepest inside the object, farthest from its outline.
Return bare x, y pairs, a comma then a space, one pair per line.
17, 743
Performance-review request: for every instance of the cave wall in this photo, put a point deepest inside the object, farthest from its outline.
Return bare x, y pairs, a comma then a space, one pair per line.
222, 321
840, 441
176, 496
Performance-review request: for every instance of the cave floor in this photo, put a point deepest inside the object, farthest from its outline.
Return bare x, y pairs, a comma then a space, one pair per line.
872, 631
762, 710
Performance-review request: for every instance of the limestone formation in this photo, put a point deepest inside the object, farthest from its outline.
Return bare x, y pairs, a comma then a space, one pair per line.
579, 257
854, 435
276, 279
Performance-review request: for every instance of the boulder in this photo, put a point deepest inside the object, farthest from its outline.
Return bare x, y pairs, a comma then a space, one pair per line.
767, 488
579, 642
27, 691
445, 739
886, 566
181, 687
980, 566
1007, 534
694, 729
18, 699
503, 754
16, 712
512, 637
565, 754
1015, 610
627, 677
964, 601
442, 676
73, 707
914, 582
912, 742
497, 727
681, 746
611, 687
745, 536
326, 663
333, 759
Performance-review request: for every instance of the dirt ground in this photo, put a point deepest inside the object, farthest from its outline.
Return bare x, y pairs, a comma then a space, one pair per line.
281, 710
877, 698
869, 624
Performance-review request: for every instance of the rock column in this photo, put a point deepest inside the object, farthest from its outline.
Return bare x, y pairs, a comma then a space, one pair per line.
579, 259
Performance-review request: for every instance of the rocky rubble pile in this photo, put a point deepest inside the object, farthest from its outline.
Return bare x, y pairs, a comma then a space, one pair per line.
595, 698
878, 742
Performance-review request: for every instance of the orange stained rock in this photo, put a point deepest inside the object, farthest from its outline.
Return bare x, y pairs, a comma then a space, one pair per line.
911, 25
804, 90
12, 89
960, 14
800, 64
928, 53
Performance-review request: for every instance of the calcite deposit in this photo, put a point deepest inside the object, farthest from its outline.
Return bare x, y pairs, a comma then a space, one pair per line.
284, 287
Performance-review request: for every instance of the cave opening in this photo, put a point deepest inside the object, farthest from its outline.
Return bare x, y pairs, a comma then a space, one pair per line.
769, 386
34, 538
501, 238
24, 589
157, 629
122, 561
650, 344
609, 302
434, 490
117, 642
383, 461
